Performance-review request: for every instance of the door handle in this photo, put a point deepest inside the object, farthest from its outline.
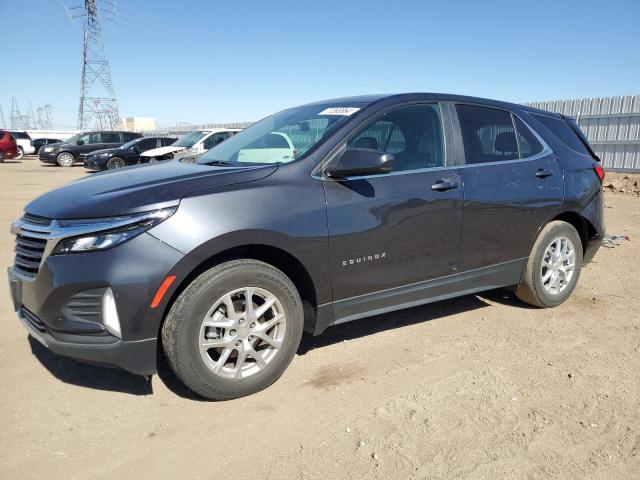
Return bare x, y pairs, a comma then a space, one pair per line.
544, 173
444, 184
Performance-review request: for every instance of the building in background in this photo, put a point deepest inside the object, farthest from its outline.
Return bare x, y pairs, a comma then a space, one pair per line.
611, 124
140, 124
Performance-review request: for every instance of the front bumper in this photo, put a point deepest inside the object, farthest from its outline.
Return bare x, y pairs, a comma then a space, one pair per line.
138, 357
91, 163
55, 309
47, 157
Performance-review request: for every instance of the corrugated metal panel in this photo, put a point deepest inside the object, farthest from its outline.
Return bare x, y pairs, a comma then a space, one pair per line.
611, 124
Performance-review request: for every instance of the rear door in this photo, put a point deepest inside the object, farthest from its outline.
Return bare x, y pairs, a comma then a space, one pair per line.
111, 139
394, 238
513, 185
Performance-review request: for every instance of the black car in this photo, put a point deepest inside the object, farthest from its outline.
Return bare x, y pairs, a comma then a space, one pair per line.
384, 203
127, 154
74, 149
38, 143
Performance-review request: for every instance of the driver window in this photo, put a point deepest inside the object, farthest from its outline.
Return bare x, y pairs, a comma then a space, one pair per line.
413, 134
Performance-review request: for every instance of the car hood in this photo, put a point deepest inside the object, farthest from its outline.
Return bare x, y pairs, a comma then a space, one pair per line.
104, 150
162, 151
138, 189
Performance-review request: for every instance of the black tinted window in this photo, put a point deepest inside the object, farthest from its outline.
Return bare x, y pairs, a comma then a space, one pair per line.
128, 136
487, 134
412, 134
214, 140
20, 135
276, 141
110, 138
563, 131
146, 144
529, 144
167, 141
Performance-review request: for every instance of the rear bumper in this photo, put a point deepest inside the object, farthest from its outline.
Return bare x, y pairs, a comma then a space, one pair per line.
138, 357
10, 153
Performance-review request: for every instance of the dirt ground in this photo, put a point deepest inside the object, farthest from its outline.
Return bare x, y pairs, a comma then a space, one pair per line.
478, 387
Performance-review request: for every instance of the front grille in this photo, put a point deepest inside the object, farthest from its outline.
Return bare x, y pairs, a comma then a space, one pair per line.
33, 320
31, 242
36, 220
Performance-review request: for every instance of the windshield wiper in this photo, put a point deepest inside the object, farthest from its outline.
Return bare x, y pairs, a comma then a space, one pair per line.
219, 163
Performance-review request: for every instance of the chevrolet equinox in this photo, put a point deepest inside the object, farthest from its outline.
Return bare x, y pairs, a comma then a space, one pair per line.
383, 203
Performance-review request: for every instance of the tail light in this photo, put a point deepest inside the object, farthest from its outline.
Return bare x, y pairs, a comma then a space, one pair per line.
599, 172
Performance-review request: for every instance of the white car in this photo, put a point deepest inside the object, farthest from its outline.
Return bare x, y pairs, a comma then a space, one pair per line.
275, 147
191, 145
25, 147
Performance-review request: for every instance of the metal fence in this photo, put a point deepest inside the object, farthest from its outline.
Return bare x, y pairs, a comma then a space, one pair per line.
611, 124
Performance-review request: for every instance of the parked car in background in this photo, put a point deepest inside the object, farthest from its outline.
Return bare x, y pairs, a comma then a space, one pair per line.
275, 147
74, 149
127, 154
8, 146
38, 143
23, 139
391, 201
191, 145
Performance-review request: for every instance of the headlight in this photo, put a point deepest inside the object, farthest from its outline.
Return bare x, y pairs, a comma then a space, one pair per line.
48, 149
122, 229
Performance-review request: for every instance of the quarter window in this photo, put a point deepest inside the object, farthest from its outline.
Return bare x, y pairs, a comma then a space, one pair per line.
413, 134
563, 131
529, 144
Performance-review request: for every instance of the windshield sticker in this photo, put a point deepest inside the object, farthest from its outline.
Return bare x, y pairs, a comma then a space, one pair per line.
345, 111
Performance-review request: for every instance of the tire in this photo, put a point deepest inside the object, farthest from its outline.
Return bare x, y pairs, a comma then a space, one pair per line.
1, 157
548, 279
216, 372
65, 159
20, 153
116, 162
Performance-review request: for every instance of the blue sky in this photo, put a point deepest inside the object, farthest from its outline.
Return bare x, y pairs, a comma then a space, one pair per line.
201, 61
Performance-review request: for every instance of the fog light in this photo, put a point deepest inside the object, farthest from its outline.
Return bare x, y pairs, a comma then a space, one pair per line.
110, 313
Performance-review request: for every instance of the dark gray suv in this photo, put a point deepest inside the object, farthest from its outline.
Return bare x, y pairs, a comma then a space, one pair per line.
363, 206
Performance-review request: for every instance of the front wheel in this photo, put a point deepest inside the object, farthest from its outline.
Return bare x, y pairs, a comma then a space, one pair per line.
234, 330
65, 159
553, 268
116, 162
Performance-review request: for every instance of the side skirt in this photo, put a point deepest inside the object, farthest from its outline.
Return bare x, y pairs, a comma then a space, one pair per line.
429, 291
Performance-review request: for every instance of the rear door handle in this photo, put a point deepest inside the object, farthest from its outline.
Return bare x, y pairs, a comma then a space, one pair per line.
444, 184
544, 173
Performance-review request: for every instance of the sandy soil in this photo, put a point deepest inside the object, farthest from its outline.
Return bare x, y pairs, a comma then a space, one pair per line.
478, 387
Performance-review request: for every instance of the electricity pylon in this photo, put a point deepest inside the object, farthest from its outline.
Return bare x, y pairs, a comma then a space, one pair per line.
98, 104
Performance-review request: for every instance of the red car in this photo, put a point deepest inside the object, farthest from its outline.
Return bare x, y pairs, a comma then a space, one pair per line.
8, 146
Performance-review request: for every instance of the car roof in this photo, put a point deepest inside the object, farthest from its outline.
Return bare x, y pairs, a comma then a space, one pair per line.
366, 100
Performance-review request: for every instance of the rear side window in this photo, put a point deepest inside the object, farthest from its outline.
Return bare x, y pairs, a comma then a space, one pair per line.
21, 135
147, 144
563, 131
110, 138
128, 136
167, 141
488, 134
276, 141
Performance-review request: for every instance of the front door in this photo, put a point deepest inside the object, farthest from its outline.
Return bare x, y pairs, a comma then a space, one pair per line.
394, 237
513, 185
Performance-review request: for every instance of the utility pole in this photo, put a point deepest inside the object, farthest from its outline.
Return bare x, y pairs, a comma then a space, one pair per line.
98, 104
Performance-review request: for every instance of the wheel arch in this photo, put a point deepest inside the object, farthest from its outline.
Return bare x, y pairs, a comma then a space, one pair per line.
584, 227
270, 254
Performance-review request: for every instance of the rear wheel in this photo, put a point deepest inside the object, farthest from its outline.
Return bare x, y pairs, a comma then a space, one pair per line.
20, 153
234, 330
65, 159
1, 157
116, 162
553, 268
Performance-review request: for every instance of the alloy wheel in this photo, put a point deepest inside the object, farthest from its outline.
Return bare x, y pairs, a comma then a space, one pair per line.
242, 332
558, 265
65, 160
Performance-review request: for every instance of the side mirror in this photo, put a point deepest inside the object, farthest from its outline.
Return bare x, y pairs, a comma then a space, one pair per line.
359, 161
135, 149
79, 142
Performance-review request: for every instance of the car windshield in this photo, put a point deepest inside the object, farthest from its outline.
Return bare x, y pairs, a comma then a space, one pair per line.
190, 140
74, 138
283, 137
130, 144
